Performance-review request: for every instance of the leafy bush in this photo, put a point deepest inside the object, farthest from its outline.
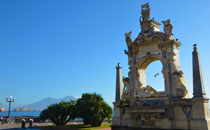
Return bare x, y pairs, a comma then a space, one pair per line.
59, 113
93, 109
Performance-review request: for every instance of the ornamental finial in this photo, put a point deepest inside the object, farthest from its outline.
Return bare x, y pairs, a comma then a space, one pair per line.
145, 11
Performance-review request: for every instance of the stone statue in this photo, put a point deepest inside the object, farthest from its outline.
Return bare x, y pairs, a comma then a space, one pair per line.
126, 89
129, 45
180, 82
150, 89
167, 27
144, 92
141, 93
128, 39
145, 11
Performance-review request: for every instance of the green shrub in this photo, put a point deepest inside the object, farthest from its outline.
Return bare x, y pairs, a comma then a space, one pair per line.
93, 109
59, 113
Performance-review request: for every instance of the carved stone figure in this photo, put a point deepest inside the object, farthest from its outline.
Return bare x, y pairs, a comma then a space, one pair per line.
145, 11
126, 89
150, 89
128, 38
167, 27
144, 92
129, 45
180, 84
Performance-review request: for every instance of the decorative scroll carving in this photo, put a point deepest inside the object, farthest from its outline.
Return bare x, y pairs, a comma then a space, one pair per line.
126, 89
180, 84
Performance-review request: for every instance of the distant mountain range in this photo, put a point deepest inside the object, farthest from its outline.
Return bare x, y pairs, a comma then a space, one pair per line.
43, 104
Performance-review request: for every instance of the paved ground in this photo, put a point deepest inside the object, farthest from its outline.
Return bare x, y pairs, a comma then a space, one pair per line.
18, 126
7, 126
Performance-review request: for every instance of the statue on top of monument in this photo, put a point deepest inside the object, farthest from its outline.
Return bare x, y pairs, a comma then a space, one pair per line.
167, 27
128, 38
145, 11
129, 43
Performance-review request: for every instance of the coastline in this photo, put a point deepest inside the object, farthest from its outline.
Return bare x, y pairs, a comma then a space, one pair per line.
20, 113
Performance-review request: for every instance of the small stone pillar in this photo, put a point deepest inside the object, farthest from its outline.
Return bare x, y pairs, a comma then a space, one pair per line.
2, 120
31, 122
119, 90
23, 123
198, 85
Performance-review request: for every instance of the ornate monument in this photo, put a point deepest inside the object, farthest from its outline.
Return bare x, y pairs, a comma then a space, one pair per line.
140, 106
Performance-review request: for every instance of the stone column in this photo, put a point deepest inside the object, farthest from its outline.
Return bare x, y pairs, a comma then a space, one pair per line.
198, 85
119, 90
200, 104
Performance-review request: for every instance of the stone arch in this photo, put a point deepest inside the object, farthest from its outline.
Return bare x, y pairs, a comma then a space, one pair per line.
146, 60
142, 65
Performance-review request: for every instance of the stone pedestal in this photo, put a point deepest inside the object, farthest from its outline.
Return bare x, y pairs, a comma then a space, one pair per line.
181, 114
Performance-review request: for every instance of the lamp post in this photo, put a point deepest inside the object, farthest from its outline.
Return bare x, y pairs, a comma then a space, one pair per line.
0, 107
10, 100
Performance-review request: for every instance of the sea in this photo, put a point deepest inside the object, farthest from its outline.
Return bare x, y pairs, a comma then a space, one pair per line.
20, 113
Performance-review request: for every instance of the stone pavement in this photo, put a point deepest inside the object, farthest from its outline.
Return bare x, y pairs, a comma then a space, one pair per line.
17, 126
9, 126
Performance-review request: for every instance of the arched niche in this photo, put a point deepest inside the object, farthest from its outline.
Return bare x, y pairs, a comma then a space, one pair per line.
154, 77
142, 65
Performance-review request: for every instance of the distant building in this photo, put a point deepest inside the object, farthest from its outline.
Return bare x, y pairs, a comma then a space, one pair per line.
3, 109
23, 109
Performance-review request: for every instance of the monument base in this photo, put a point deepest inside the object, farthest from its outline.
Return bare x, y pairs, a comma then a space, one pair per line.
150, 114
136, 128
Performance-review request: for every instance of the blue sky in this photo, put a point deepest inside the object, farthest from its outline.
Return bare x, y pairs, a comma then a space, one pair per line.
55, 48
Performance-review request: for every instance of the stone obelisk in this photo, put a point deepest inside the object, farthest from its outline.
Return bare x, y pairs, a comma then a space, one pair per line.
198, 85
118, 95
